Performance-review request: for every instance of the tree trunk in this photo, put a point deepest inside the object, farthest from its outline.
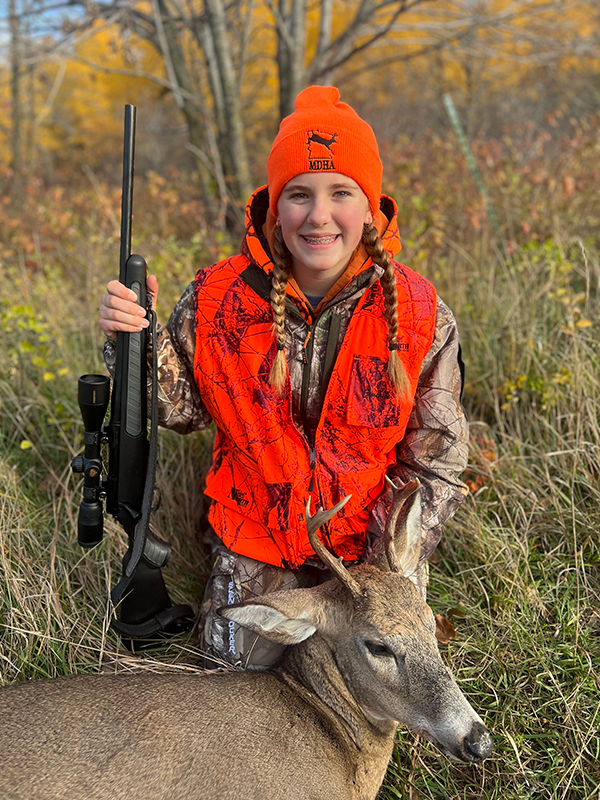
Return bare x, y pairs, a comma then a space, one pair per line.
15, 87
325, 28
235, 144
183, 91
291, 43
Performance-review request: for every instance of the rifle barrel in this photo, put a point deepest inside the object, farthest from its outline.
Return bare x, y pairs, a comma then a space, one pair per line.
127, 199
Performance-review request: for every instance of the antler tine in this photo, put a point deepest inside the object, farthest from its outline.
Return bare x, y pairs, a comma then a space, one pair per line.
313, 523
400, 496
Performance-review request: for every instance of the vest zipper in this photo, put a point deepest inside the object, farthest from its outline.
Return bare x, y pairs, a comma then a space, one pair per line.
313, 469
307, 353
305, 345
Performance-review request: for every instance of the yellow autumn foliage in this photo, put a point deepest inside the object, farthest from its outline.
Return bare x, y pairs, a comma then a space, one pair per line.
72, 103
491, 45
96, 86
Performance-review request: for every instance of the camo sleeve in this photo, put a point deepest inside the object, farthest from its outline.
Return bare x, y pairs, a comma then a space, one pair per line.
180, 407
435, 446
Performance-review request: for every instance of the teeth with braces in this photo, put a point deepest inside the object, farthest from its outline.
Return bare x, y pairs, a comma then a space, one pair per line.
320, 239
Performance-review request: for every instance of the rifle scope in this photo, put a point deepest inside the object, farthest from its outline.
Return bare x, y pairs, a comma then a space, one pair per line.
93, 394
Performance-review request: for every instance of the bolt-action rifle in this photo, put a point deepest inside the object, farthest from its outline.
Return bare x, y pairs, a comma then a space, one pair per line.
141, 598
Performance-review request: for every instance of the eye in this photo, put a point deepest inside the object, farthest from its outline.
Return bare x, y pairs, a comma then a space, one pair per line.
378, 650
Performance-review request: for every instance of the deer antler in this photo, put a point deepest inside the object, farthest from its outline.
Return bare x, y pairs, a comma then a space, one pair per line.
313, 523
400, 495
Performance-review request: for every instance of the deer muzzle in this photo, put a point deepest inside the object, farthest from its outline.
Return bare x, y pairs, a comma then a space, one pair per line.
473, 748
478, 744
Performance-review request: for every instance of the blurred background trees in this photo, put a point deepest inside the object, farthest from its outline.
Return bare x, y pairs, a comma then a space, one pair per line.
212, 79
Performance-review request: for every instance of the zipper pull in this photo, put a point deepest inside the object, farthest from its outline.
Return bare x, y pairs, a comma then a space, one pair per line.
305, 345
313, 465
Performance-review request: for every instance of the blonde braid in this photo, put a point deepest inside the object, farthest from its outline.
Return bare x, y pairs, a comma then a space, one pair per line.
281, 272
374, 247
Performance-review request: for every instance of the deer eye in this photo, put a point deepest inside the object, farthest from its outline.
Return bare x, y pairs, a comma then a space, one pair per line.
377, 649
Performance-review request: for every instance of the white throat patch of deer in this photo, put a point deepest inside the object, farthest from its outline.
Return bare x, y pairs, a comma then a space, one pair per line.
362, 657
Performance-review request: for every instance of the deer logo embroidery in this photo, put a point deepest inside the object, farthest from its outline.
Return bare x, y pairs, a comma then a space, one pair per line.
320, 150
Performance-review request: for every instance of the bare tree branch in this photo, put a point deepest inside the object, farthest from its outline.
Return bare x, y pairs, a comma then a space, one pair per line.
48, 103
206, 48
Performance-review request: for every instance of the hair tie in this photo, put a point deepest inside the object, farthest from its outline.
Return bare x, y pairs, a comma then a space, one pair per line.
393, 346
280, 347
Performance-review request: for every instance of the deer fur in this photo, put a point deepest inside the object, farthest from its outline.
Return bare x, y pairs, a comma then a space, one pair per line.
317, 726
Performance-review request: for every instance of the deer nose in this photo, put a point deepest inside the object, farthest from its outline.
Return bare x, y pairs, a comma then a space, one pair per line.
479, 743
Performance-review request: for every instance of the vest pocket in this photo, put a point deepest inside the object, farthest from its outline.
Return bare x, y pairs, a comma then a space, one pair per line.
372, 400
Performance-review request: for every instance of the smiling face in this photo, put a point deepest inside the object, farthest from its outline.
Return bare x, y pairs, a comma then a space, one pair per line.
321, 216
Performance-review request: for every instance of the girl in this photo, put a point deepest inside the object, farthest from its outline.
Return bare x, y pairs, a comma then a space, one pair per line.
323, 363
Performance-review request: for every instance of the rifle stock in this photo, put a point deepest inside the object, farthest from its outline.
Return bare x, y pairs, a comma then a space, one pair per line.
129, 415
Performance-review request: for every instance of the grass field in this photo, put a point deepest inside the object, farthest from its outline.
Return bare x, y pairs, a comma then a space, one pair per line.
518, 570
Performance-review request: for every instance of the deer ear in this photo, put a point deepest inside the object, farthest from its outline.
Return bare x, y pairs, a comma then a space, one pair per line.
407, 538
285, 617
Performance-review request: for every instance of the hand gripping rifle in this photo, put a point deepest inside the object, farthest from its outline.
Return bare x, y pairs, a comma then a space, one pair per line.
145, 610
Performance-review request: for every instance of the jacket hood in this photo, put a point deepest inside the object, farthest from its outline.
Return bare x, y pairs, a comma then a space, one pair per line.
260, 226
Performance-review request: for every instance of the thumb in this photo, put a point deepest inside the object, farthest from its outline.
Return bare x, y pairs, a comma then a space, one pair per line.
152, 287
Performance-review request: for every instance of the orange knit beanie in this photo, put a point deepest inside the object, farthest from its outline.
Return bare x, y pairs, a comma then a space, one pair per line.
324, 135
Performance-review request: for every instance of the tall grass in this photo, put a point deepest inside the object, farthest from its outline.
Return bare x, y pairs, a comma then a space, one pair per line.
517, 572
519, 564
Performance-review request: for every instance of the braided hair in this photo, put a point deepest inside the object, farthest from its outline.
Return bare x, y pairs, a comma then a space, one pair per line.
282, 267
374, 247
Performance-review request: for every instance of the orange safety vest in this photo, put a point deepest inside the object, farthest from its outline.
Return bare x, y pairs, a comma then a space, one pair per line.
262, 465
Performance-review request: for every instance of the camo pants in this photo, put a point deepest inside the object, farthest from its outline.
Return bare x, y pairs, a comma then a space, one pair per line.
236, 578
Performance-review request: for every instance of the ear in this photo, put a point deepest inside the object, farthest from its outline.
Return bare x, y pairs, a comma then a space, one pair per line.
407, 537
286, 617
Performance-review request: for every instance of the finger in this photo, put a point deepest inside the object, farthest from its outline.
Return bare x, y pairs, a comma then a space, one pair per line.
113, 302
111, 326
112, 320
117, 289
152, 286
116, 315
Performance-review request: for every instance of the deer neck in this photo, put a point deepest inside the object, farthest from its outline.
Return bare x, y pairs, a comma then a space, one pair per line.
311, 669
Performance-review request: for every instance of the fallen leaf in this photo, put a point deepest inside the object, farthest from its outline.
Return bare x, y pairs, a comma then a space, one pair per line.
444, 630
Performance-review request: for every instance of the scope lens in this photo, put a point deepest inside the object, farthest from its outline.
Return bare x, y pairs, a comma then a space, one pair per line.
93, 395
90, 524
93, 390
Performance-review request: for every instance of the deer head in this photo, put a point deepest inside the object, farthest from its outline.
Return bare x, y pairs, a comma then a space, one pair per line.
381, 634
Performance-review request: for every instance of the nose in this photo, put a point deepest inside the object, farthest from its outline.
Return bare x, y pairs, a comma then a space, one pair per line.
320, 213
478, 744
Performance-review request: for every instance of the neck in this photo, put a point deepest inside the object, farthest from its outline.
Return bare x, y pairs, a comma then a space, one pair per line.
310, 668
316, 285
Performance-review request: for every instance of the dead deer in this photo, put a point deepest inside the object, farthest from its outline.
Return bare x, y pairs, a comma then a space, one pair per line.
362, 657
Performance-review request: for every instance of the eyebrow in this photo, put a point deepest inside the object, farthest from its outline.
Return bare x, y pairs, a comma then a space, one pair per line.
301, 187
